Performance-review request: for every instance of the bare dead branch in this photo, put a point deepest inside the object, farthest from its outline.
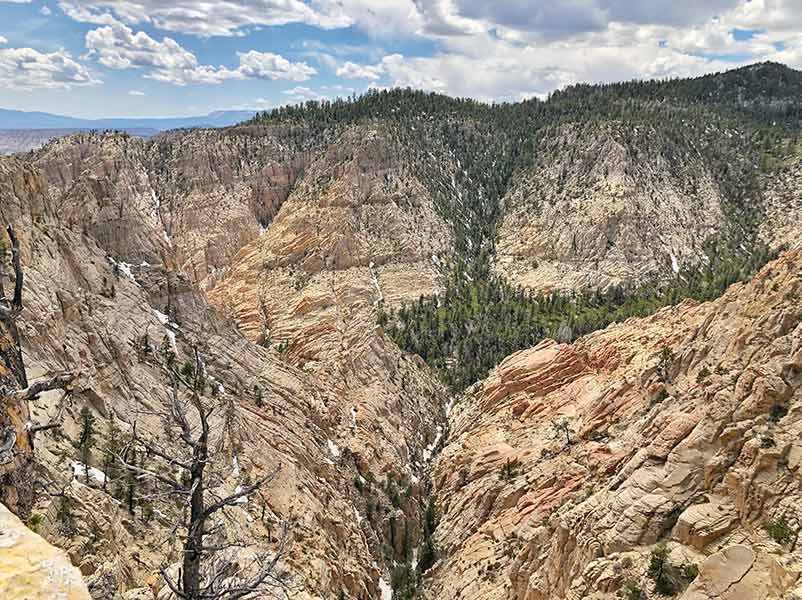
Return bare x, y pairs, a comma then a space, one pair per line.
174, 485
244, 491
156, 451
57, 382
16, 303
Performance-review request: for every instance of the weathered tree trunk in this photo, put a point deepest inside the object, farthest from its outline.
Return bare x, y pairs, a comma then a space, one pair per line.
193, 549
16, 448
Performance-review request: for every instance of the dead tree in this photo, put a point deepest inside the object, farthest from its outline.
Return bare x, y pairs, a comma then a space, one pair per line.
561, 427
16, 430
207, 572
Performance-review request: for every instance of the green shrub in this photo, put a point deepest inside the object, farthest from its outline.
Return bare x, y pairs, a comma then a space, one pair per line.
777, 412
779, 530
662, 572
35, 521
509, 470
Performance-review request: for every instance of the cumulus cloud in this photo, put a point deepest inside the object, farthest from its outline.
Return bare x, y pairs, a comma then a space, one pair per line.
491, 50
27, 69
205, 19
3, 40
45, 10
302, 93
265, 65
118, 47
519, 48
351, 70
136, 93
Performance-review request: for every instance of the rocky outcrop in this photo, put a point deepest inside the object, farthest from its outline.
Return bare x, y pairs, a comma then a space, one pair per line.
782, 226
349, 437
600, 208
569, 463
32, 569
358, 231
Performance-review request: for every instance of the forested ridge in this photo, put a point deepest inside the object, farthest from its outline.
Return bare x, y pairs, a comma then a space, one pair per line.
740, 124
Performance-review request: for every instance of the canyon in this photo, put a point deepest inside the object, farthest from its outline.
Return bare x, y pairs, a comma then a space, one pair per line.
269, 252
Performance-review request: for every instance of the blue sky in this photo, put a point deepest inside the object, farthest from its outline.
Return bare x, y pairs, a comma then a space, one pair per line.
103, 58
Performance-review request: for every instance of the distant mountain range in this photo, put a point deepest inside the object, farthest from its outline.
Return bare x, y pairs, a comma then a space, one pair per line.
17, 119
21, 131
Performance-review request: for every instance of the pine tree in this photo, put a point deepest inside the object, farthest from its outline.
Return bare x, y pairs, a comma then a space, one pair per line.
86, 438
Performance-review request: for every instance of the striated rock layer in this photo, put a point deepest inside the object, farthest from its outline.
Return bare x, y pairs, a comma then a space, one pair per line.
605, 204
569, 463
344, 414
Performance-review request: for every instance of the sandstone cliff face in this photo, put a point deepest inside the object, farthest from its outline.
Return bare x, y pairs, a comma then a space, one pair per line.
598, 210
357, 231
345, 434
569, 463
31, 569
783, 223
192, 198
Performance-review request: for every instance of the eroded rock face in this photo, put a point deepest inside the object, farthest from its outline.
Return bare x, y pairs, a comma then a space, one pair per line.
570, 462
32, 569
349, 434
783, 223
599, 209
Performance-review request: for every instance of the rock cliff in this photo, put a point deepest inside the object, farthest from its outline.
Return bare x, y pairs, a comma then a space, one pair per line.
31, 569
659, 456
349, 438
568, 465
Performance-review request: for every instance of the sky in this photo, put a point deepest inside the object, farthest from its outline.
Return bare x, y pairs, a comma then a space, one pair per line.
140, 58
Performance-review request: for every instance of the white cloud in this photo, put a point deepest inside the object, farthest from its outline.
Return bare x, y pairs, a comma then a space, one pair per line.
301, 93
26, 69
136, 93
3, 40
118, 47
519, 48
258, 104
354, 71
265, 65
45, 10
490, 50
205, 19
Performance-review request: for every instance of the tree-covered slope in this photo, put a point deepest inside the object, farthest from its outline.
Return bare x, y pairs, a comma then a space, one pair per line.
709, 143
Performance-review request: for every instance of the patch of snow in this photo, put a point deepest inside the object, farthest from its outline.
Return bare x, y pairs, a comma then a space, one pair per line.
450, 405
375, 279
235, 465
79, 472
353, 417
124, 268
429, 450
243, 499
145, 264
674, 262
334, 449
358, 516
169, 326
385, 589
